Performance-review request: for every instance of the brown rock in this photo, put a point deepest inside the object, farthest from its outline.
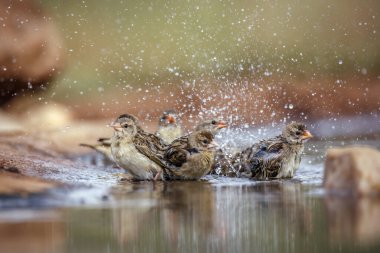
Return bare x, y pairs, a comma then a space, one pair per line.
30, 48
355, 170
13, 183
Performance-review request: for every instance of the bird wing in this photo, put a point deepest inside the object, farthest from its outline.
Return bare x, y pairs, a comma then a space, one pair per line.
264, 161
178, 152
152, 147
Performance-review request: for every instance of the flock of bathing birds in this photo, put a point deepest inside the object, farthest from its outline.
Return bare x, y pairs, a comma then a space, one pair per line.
170, 155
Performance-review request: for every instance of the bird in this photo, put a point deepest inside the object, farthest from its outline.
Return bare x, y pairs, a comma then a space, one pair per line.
136, 150
190, 157
221, 164
274, 158
213, 125
169, 128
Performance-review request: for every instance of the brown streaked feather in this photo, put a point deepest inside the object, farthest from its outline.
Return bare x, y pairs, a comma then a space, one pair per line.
190, 156
153, 147
177, 152
176, 157
181, 142
261, 160
148, 144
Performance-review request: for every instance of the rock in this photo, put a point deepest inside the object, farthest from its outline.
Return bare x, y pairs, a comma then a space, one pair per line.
55, 155
354, 170
31, 51
13, 183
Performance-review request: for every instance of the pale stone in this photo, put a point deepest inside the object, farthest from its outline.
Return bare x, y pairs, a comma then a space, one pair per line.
50, 116
352, 169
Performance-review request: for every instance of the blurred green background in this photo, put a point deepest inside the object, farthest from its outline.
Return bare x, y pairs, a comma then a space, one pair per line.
116, 45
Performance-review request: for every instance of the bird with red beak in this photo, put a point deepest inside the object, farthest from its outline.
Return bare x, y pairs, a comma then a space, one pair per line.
213, 125
169, 127
192, 155
221, 161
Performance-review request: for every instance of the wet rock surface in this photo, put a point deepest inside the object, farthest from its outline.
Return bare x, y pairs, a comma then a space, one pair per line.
354, 170
36, 157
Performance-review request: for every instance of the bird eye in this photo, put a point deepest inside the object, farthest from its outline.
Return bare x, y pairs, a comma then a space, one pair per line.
125, 126
298, 132
205, 141
213, 122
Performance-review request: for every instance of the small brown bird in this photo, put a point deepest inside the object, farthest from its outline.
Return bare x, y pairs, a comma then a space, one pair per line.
221, 164
169, 128
213, 125
277, 157
135, 150
192, 156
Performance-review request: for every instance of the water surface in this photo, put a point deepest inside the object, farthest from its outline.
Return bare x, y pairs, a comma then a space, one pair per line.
217, 214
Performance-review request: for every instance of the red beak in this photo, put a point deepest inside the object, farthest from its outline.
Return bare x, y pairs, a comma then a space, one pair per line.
221, 124
306, 135
170, 119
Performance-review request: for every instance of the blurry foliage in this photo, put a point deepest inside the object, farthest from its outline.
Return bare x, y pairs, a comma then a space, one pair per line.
120, 43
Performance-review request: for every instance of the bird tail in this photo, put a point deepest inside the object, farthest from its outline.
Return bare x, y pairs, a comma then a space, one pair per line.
105, 141
87, 145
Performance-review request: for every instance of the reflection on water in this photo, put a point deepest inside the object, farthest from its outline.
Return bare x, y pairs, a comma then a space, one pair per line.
218, 215
354, 218
31, 231
277, 216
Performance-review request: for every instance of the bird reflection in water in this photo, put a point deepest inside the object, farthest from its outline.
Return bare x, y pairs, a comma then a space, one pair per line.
175, 212
199, 215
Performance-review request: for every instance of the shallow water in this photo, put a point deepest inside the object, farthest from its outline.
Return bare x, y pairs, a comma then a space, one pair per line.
217, 214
